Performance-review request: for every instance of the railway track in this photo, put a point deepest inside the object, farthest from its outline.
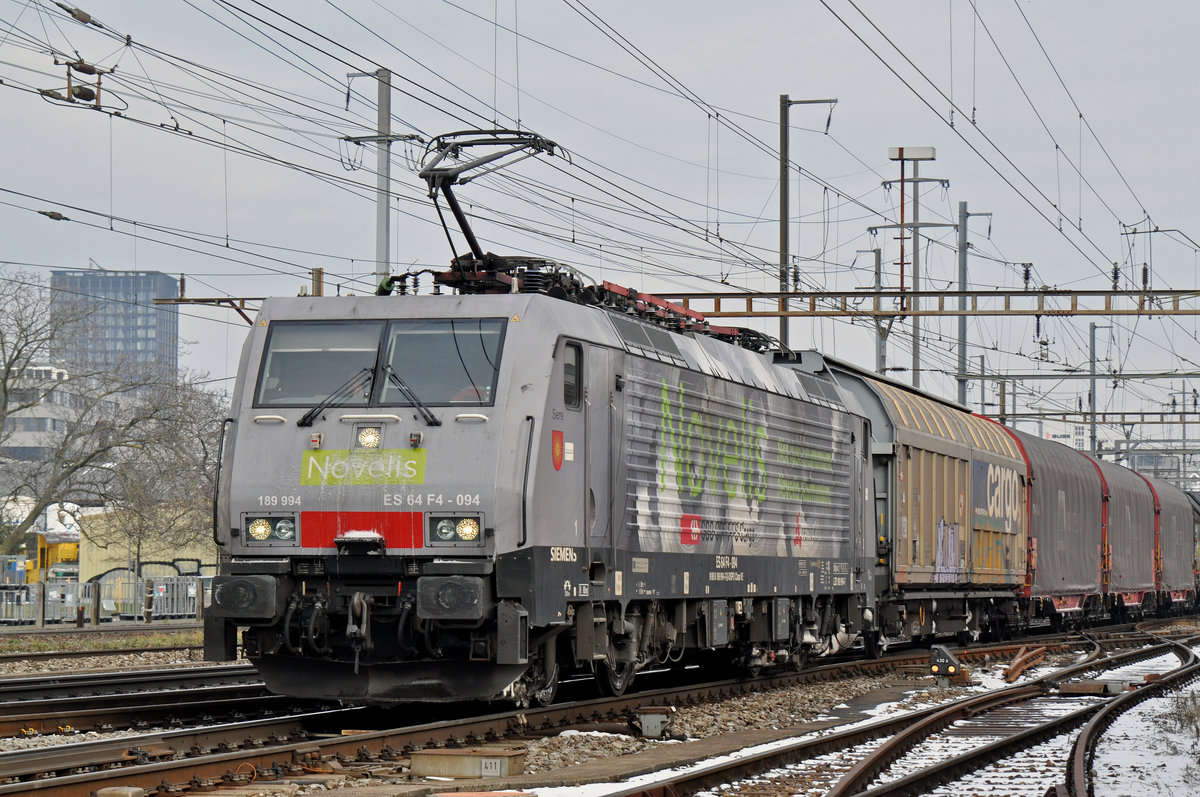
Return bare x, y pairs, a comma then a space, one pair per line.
1004, 733
106, 713
71, 703
74, 685
104, 629
59, 655
1079, 774
974, 732
285, 746
210, 754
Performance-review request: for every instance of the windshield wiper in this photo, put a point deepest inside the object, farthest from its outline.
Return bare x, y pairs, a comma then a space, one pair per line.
348, 388
394, 378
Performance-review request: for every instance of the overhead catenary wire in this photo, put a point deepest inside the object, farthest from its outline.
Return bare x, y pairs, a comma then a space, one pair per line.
611, 236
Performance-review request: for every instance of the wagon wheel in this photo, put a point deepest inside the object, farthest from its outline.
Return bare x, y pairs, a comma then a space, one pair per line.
613, 679
871, 644
743, 666
997, 629
798, 659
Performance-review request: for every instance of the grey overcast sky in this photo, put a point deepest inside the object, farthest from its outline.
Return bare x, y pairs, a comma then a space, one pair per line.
1071, 123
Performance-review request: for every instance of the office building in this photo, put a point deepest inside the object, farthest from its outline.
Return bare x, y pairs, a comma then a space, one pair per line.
125, 328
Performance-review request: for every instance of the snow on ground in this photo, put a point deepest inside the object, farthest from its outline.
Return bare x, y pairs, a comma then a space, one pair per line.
1145, 752
1153, 748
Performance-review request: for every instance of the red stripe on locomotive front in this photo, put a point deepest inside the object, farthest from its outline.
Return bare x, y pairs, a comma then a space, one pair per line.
399, 529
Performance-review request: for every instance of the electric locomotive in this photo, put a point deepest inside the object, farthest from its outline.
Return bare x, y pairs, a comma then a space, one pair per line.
451, 497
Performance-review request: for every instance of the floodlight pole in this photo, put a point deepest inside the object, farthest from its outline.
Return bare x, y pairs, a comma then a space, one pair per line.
963, 247
1092, 385
383, 174
383, 139
916, 272
916, 155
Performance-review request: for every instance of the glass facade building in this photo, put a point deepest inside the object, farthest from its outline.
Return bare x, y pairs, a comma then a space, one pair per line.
125, 328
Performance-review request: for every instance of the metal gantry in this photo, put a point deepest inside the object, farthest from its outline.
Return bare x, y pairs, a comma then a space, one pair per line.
883, 307
893, 303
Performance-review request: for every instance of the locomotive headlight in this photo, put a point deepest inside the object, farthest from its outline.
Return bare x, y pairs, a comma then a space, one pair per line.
467, 529
444, 530
370, 437
271, 529
455, 530
259, 529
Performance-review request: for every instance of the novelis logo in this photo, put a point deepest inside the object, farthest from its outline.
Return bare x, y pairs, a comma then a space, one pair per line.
345, 467
711, 451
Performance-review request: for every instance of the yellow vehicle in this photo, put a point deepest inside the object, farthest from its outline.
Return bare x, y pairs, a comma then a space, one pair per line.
57, 558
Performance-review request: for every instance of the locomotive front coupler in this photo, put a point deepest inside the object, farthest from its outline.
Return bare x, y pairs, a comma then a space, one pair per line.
358, 626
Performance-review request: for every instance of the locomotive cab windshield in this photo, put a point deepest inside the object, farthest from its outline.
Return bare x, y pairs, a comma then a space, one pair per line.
434, 362
308, 362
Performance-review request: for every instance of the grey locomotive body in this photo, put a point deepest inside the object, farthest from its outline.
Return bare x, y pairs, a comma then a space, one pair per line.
453, 497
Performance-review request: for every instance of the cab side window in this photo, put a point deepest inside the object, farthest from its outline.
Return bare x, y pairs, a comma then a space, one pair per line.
572, 374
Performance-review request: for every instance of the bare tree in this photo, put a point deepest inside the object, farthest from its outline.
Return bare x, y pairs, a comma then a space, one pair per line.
63, 429
161, 492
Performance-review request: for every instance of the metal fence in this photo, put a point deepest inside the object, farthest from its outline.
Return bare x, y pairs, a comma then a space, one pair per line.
109, 599
12, 570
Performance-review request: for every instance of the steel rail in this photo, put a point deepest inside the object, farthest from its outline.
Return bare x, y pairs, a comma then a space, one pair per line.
1083, 751
73, 684
856, 781
705, 776
139, 626
56, 655
921, 782
872, 766
229, 702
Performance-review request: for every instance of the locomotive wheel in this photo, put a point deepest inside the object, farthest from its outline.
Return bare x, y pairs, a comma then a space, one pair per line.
544, 695
612, 679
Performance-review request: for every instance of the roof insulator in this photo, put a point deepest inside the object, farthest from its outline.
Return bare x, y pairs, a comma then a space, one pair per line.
79, 14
